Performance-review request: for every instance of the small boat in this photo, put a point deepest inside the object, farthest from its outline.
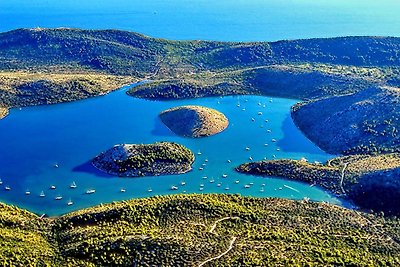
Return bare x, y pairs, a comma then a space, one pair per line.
73, 185
52, 187
237, 181
252, 119
204, 177
42, 194
266, 120
123, 190
269, 130
7, 188
259, 103
183, 183
219, 184
247, 148
291, 188
274, 156
265, 144
212, 181
199, 153
273, 140
262, 190
270, 100
303, 159
201, 168
56, 165
201, 188
1, 182
90, 191
262, 184
227, 188
174, 187
204, 164
229, 161
246, 186
264, 106
224, 175
201, 185
58, 198
69, 203
149, 190
243, 109
251, 183
27, 192
280, 188
250, 158
278, 149
259, 113
206, 160
306, 199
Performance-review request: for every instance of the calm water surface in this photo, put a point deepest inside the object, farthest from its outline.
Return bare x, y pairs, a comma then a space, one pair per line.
34, 140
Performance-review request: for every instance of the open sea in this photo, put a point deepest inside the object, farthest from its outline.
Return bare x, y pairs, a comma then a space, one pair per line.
53, 145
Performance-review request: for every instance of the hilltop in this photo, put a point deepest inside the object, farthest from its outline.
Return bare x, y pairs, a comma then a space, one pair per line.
194, 121
189, 230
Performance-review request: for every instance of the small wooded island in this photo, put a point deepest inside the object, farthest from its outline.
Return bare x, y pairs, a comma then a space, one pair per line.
134, 160
194, 121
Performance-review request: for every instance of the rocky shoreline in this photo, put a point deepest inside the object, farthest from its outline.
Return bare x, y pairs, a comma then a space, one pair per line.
3, 112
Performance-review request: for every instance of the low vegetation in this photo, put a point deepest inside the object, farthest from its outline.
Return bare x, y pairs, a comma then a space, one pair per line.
194, 121
145, 160
357, 177
365, 122
219, 230
19, 89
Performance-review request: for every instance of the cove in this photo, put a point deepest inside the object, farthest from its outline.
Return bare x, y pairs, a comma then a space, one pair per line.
53, 145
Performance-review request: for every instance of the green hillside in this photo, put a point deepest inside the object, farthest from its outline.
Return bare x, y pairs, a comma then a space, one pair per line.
191, 230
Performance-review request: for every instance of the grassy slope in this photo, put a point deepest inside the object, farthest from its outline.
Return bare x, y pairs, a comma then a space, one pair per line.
178, 231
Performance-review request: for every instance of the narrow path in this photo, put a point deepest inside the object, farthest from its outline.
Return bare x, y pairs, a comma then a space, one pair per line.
222, 254
342, 177
220, 220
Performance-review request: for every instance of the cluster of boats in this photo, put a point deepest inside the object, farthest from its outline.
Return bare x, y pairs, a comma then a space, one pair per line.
53, 187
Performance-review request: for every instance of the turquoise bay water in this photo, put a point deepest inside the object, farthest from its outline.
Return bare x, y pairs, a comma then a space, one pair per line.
69, 135
34, 140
